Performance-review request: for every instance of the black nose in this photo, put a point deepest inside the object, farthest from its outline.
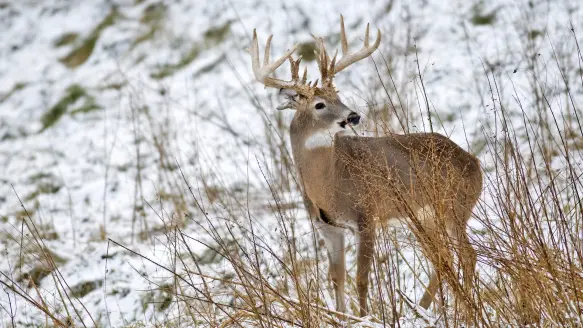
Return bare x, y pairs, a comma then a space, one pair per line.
353, 118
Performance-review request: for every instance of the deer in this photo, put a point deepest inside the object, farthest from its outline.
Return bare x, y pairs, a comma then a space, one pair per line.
358, 183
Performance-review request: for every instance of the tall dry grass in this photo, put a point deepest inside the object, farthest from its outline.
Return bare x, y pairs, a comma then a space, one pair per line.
527, 231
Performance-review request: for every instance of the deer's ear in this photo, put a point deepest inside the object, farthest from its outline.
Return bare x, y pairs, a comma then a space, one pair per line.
290, 96
288, 93
286, 105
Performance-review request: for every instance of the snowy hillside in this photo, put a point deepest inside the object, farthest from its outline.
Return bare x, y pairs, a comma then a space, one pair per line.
111, 110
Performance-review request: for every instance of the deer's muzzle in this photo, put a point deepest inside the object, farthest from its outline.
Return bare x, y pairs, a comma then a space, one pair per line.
353, 118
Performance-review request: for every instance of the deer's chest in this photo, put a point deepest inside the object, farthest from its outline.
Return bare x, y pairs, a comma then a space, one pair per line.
320, 191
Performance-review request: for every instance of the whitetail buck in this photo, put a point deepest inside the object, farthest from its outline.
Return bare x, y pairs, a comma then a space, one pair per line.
360, 182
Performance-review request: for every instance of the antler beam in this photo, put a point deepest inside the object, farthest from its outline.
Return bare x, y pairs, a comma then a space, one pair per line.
366, 50
262, 72
329, 68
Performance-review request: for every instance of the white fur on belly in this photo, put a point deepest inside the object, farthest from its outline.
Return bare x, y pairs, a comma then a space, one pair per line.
423, 214
323, 138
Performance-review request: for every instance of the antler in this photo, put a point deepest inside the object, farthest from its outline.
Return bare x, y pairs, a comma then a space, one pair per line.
328, 68
262, 73
327, 71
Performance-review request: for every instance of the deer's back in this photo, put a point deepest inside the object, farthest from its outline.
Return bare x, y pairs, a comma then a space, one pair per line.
402, 172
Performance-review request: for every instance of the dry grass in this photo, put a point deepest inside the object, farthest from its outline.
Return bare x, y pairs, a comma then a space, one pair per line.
529, 241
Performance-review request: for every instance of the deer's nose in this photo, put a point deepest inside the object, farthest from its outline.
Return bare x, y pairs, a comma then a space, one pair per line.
353, 118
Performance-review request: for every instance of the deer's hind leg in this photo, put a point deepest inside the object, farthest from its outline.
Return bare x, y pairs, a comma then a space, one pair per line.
431, 290
466, 253
430, 241
364, 257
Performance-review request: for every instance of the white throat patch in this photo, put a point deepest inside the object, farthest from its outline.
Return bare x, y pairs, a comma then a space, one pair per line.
324, 138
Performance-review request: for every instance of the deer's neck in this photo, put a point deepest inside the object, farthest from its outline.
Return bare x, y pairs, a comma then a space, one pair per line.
314, 162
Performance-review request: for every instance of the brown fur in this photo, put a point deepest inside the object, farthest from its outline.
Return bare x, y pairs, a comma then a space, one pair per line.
359, 180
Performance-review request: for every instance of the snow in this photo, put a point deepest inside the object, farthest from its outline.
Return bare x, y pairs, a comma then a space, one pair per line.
211, 122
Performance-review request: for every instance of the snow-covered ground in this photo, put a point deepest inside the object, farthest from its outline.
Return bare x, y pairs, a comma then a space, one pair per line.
146, 86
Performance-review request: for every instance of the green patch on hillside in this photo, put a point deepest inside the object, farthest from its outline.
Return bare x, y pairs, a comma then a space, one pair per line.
216, 35
65, 39
209, 67
185, 60
160, 298
39, 176
86, 287
73, 94
153, 13
113, 86
17, 87
212, 37
533, 34
43, 188
215, 254
153, 16
88, 106
145, 37
479, 17
84, 49
307, 51
37, 263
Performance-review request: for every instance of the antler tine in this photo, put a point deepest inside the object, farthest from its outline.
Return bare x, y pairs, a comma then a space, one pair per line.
322, 57
305, 76
298, 62
349, 59
343, 37
333, 62
292, 67
366, 35
329, 68
267, 51
255, 52
323, 64
321, 48
295, 68
262, 73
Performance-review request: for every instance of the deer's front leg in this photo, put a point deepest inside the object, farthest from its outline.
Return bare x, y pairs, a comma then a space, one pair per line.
364, 257
334, 239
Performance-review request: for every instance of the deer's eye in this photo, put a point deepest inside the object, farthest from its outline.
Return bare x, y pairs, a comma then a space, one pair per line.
320, 105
